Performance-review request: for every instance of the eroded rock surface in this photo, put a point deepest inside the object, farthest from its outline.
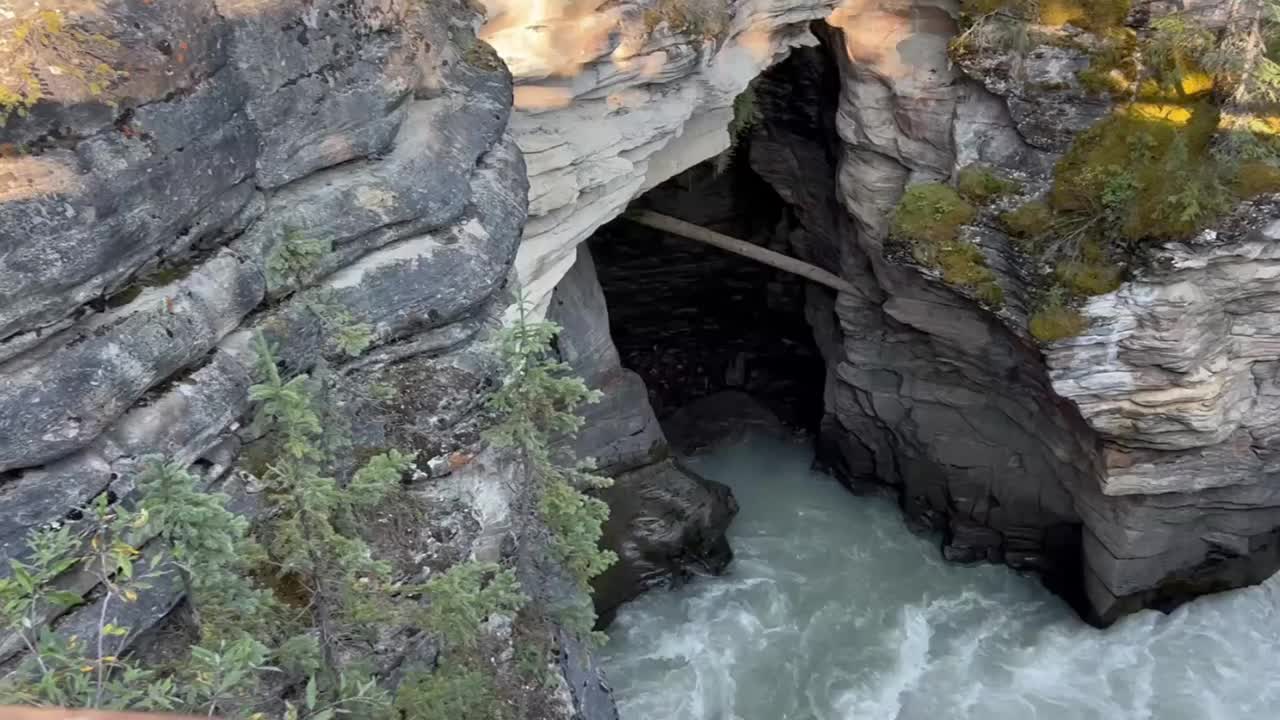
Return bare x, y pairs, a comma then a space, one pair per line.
647, 100
666, 523
338, 176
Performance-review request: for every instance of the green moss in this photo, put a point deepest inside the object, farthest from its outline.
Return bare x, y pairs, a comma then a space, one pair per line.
481, 54
1257, 178
746, 113
977, 183
930, 214
1146, 170
1056, 322
978, 8
156, 278
1028, 221
699, 18
962, 265
124, 296
1089, 277
928, 221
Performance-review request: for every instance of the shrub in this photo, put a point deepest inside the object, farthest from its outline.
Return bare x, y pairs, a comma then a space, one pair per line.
294, 257
1092, 15
452, 692
1257, 178
1089, 278
211, 546
1141, 177
1056, 322
1113, 67
979, 184
312, 525
1028, 221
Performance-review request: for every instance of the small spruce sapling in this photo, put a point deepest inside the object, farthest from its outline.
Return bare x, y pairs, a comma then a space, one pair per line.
535, 406
210, 545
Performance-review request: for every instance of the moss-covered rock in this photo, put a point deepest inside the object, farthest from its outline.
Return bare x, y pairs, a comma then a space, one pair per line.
928, 221
1092, 15
1147, 170
980, 184
930, 214
1055, 322
1089, 277
1029, 221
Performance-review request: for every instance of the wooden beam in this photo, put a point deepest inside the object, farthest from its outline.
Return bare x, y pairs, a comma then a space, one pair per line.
688, 230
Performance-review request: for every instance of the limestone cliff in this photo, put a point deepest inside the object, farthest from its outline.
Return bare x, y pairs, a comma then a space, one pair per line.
350, 179
336, 175
1128, 464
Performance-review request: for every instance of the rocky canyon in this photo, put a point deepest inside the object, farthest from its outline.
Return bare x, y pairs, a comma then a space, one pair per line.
1053, 357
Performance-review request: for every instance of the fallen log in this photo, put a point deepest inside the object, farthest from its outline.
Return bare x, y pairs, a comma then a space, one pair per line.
688, 230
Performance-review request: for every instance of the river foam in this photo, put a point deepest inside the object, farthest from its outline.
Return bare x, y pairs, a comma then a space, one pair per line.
833, 610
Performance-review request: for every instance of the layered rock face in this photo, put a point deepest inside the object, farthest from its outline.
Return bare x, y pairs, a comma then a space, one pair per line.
1155, 475
335, 175
1176, 375
649, 95
926, 391
1136, 451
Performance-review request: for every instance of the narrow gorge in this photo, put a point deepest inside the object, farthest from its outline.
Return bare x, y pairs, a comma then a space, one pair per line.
1053, 353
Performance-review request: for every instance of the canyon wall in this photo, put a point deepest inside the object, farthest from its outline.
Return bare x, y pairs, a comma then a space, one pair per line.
350, 180
337, 176
1128, 464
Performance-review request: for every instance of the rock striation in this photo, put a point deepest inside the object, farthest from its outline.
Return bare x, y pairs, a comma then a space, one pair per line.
338, 176
650, 98
325, 170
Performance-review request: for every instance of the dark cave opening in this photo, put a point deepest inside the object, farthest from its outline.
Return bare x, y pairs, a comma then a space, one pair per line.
693, 320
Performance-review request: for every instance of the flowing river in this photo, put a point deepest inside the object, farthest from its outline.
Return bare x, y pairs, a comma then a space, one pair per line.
833, 610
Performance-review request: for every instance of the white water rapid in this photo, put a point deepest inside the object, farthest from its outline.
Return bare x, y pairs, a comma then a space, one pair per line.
832, 610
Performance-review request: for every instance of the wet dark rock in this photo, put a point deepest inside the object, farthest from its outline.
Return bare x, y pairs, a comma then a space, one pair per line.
667, 524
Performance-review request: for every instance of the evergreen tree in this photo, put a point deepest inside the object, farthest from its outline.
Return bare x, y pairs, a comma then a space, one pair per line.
535, 406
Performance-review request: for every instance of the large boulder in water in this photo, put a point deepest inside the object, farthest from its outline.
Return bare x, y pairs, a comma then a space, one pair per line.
667, 524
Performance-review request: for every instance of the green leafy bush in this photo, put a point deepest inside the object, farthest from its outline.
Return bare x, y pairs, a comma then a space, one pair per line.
452, 693
294, 257
311, 532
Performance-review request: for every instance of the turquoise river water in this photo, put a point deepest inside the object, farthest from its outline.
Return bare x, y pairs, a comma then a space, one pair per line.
833, 610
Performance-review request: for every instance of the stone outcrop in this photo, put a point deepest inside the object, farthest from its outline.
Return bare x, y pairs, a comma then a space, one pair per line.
620, 432
1180, 389
926, 391
665, 522
1155, 476
338, 176
647, 101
